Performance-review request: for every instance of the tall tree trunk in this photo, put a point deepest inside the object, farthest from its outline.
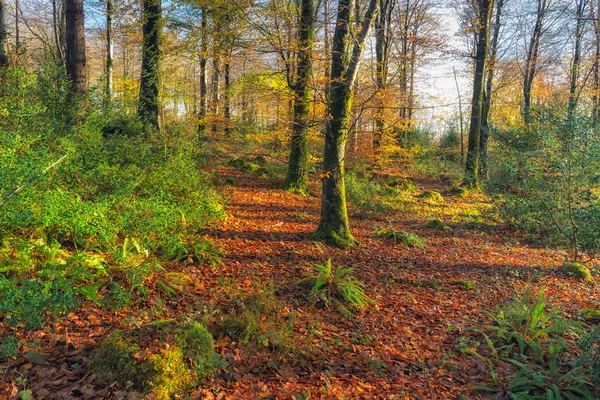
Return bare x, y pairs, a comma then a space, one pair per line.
296, 178
3, 55
148, 108
57, 29
487, 93
227, 94
216, 87
472, 163
109, 55
382, 46
575, 64
75, 57
334, 225
595, 10
532, 58
203, 89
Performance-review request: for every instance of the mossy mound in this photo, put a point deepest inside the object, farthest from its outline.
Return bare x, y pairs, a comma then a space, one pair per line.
432, 196
229, 182
437, 224
250, 168
237, 162
458, 191
260, 160
578, 270
186, 355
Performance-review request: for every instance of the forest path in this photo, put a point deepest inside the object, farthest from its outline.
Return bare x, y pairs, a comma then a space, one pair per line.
408, 345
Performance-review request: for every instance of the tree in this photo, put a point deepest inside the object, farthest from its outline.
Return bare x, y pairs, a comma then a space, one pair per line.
3, 56
109, 53
203, 111
296, 178
484, 8
148, 107
581, 5
334, 225
487, 93
75, 56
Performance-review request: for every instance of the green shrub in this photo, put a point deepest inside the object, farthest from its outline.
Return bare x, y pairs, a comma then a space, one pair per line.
436, 224
578, 270
589, 345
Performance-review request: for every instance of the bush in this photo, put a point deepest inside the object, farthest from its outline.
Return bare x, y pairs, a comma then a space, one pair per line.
590, 354
406, 238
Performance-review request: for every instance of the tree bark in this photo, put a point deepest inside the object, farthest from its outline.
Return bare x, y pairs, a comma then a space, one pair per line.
471, 165
575, 64
532, 58
334, 226
148, 109
109, 54
75, 55
216, 87
487, 93
296, 178
382, 46
227, 94
3, 55
203, 89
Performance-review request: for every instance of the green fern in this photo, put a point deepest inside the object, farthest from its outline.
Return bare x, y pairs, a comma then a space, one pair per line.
329, 284
408, 239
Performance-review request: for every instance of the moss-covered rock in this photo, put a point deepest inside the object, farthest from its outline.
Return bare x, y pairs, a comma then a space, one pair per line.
577, 270
229, 182
436, 224
432, 196
185, 356
458, 191
260, 160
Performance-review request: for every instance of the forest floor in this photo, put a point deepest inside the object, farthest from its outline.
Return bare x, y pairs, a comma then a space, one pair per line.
406, 345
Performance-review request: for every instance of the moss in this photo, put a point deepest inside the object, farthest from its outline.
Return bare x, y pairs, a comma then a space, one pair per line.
436, 224
237, 163
578, 270
229, 182
467, 284
342, 240
432, 196
260, 160
458, 191
187, 355
250, 168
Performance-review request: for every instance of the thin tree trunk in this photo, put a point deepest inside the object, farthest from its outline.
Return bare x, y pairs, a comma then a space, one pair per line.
75, 57
596, 71
3, 55
216, 84
334, 225
227, 94
57, 31
575, 64
148, 109
472, 163
531, 59
296, 178
109, 55
460, 115
203, 89
382, 45
487, 93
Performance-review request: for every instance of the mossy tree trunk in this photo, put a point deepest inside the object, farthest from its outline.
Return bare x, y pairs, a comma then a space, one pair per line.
296, 178
108, 90
334, 226
148, 108
472, 163
75, 56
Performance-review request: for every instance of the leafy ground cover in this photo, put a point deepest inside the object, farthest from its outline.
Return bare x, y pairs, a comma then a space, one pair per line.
273, 341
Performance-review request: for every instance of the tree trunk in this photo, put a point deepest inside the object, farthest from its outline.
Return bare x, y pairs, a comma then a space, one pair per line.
575, 64
382, 45
334, 226
227, 94
109, 55
471, 165
296, 178
487, 94
3, 55
596, 67
75, 57
203, 89
216, 87
531, 59
148, 109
